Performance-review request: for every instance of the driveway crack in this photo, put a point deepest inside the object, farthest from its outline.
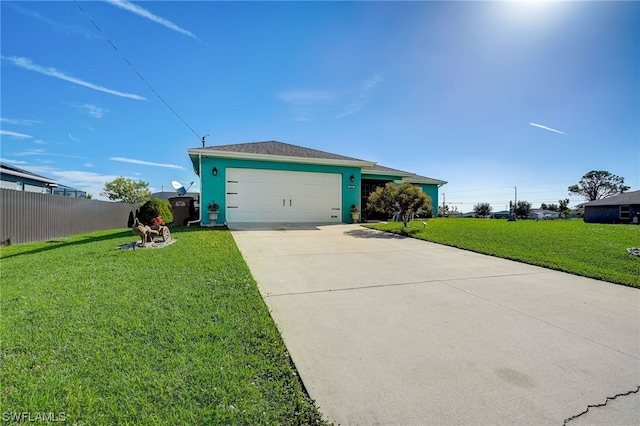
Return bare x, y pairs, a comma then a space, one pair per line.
606, 401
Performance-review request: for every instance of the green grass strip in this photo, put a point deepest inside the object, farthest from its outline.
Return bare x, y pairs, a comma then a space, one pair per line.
587, 249
177, 335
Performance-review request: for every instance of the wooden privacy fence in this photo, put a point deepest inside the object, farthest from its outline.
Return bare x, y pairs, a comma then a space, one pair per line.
31, 216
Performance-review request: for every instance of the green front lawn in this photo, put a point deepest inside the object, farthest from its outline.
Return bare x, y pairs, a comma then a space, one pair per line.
592, 250
176, 335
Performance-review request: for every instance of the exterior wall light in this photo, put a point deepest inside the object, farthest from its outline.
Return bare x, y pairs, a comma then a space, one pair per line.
215, 171
351, 178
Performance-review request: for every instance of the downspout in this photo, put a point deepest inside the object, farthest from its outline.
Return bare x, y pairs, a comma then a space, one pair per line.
200, 201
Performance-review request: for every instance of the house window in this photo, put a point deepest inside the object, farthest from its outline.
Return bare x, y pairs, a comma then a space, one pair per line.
19, 186
625, 212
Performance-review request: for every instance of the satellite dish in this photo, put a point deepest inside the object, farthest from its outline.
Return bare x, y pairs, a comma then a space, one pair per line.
178, 187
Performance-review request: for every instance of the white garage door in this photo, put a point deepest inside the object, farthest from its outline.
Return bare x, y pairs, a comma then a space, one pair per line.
283, 196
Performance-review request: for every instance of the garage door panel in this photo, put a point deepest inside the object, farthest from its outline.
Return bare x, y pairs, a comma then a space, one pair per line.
283, 196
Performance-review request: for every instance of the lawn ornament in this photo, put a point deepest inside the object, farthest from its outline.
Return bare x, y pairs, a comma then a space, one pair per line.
148, 233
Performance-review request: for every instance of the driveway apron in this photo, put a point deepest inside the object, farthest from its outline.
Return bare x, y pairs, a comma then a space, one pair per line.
387, 330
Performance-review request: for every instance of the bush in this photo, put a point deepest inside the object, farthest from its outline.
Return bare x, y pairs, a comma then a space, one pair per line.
153, 208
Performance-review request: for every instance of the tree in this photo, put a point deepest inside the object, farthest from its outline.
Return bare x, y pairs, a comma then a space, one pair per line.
564, 207
523, 208
598, 184
482, 209
405, 198
447, 211
127, 191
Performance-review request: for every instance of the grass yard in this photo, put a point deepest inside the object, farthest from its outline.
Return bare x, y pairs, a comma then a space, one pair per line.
177, 335
587, 249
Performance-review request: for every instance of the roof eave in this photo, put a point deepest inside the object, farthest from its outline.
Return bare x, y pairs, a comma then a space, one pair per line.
425, 181
278, 158
399, 173
29, 176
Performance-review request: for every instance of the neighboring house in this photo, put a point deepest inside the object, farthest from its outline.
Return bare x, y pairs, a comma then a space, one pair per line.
540, 214
23, 180
278, 182
166, 195
622, 208
68, 191
503, 214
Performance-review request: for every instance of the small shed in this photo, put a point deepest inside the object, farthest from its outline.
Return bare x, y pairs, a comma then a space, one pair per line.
622, 208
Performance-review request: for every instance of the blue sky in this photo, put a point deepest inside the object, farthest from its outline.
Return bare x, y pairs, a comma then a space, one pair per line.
485, 95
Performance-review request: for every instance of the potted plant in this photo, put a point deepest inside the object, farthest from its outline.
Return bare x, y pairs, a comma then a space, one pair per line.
213, 208
157, 222
354, 213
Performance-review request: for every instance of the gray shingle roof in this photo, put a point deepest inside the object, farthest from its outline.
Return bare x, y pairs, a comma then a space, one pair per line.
632, 197
279, 148
15, 171
378, 168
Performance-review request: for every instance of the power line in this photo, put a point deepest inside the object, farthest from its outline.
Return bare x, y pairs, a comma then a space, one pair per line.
135, 70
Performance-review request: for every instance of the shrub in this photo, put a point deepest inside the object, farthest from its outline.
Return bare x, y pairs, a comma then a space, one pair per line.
154, 208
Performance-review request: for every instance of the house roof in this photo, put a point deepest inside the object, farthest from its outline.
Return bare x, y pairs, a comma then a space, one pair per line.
424, 179
284, 152
276, 151
6, 169
632, 197
278, 148
382, 170
406, 176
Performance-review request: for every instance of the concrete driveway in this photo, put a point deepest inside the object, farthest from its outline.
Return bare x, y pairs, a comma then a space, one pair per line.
390, 330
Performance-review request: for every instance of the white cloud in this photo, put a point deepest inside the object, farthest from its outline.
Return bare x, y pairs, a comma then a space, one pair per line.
364, 95
305, 104
306, 97
15, 135
10, 161
547, 128
52, 72
69, 29
44, 153
19, 122
145, 163
91, 182
72, 138
92, 110
123, 4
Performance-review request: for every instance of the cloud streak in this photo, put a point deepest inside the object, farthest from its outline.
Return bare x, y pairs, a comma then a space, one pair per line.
364, 95
52, 72
19, 121
547, 128
305, 97
92, 110
130, 7
145, 163
15, 135
68, 29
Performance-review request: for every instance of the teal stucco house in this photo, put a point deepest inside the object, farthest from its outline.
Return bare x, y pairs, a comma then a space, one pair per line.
278, 182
